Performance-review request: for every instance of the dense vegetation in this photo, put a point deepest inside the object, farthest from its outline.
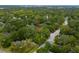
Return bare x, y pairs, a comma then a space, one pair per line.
26, 29
23, 25
68, 40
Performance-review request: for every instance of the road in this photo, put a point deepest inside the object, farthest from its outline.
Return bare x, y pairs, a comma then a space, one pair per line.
51, 38
53, 35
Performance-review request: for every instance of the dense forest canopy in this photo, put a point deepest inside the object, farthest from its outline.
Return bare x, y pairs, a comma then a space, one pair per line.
25, 29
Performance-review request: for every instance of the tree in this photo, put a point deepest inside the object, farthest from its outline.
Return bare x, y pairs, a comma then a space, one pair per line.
65, 43
66, 48
41, 35
55, 48
44, 49
66, 30
76, 49
23, 33
6, 43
